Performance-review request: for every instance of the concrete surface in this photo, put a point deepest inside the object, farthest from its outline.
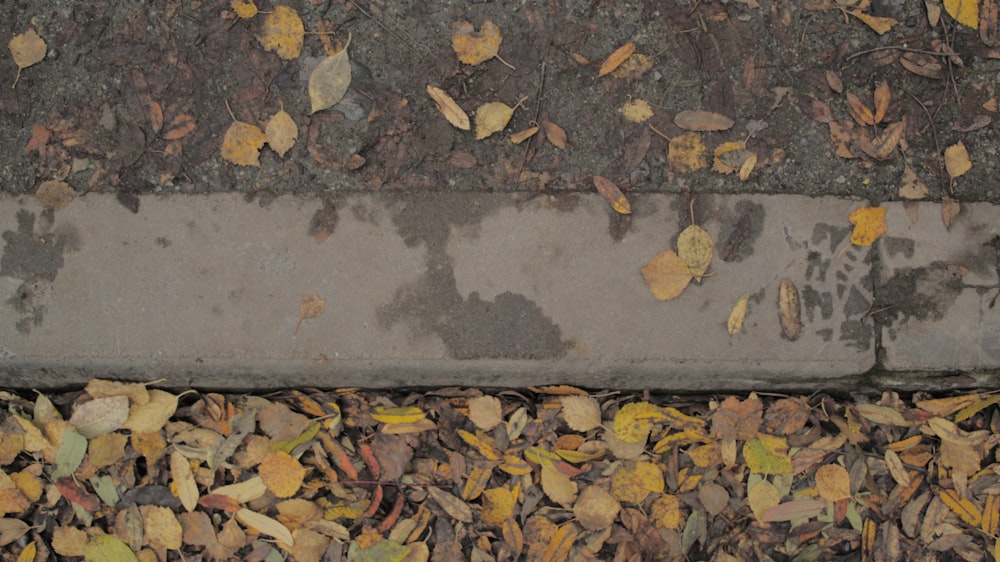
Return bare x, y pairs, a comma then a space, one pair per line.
936, 289
488, 289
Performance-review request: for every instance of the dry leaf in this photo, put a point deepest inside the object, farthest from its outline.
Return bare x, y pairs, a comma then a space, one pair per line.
702, 121
910, 186
596, 509
245, 9
922, 64
498, 505
558, 486
616, 58
26, 49
956, 160
179, 127
634, 481
554, 133
965, 12
521, 136
283, 33
242, 144
153, 415
833, 80
637, 111
610, 191
748, 166
634, 67
738, 314
486, 412
687, 153
789, 311
184, 484
833, 483
882, 97
869, 225
475, 47
329, 81
265, 525
281, 132
766, 454
859, 111
949, 211
281, 473
879, 25
100, 416
582, 413
695, 247
492, 118
455, 507
447, 106
635, 420
729, 157
55, 194
311, 306
161, 529
989, 23
666, 275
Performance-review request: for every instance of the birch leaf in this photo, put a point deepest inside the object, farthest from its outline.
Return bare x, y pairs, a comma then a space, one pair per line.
666, 275
329, 81
26, 49
491, 118
281, 132
283, 33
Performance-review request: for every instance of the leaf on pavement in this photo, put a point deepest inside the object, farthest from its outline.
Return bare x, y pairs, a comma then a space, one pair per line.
311, 306
616, 58
883, 95
861, 113
283, 33
911, 187
26, 49
965, 12
475, 47
554, 133
789, 309
637, 111
666, 275
447, 106
956, 160
242, 143
869, 225
695, 247
492, 117
687, 153
738, 314
55, 194
281, 132
245, 9
703, 121
879, 24
609, 190
330, 80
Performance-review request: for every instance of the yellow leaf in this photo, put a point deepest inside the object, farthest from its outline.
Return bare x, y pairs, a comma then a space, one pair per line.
447, 106
869, 225
616, 58
582, 413
245, 9
540, 456
265, 525
28, 553
281, 132
483, 443
694, 246
702, 121
558, 486
486, 412
789, 309
55, 194
521, 136
766, 454
666, 275
833, 482
879, 25
578, 457
748, 165
687, 153
161, 528
406, 414
498, 505
311, 306
242, 144
328, 82
476, 47
956, 160
634, 481
667, 512
281, 473
596, 509
705, 455
882, 97
184, 486
491, 118
26, 49
637, 111
634, 421
152, 416
610, 191
283, 33
965, 12
729, 157
962, 507
738, 314
761, 497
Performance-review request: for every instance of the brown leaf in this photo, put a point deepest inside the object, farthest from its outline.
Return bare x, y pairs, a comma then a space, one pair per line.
788, 309
883, 95
859, 111
922, 64
610, 191
989, 23
616, 58
702, 121
666, 275
554, 133
454, 507
911, 187
447, 106
55, 195
949, 211
179, 127
311, 306
833, 80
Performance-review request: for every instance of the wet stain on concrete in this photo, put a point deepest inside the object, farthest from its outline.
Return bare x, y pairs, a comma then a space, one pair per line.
895, 246
922, 293
834, 235
34, 258
509, 327
741, 231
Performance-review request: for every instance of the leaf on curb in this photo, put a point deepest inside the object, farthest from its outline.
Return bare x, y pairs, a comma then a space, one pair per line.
695, 247
956, 160
911, 187
737, 315
869, 225
447, 106
26, 49
789, 311
610, 191
666, 275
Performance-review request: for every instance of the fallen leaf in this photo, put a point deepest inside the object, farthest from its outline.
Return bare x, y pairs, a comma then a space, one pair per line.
616, 58
911, 186
949, 211
761, 497
283, 33
447, 106
703, 121
245, 9
475, 47
330, 80
766, 454
66, 541
695, 247
265, 525
637, 111
554, 133
989, 23
882, 97
922, 64
486, 412
609, 190
729, 156
492, 117
634, 421
833, 483
878, 24
281, 132
55, 194
833, 80
558, 486
859, 111
242, 143
179, 127
453, 506
100, 416
582, 413
956, 160
795, 509
738, 314
521, 136
714, 497
789, 309
634, 67
635, 480
107, 548
869, 225
311, 306
161, 529
26, 49
596, 509
666, 275
498, 505
965, 12
405, 414
152, 416
686, 153
185, 487
13, 529
667, 512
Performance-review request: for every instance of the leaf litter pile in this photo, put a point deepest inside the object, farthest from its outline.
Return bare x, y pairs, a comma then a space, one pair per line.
120, 471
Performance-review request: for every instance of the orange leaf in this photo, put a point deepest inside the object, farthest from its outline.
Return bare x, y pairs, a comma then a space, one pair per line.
610, 191
475, 47
554, 133
616, 58
869, 225
281, 473
962, 507
882, 97
833, 483
666, 275
879, 25
859, 111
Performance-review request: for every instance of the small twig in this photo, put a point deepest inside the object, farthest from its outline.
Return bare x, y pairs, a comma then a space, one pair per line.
898, 48
930, 121
398, 35
655, 130
875, 311
538, 111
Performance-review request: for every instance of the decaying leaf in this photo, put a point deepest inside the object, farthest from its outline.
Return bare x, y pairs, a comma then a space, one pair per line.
911, 186
475, 47
883, 95
878, 24
738, 314
833, 80
949, 210
667, 275
695, 247
55, 194
330, 80
687, 153
486, 412
447, 106
492, 118
956, 160
861, 113
634, 421
242, 143
609, 190
616, 58
789, 311
637, 110
311, 306
596, 509
554, 133
26, 49
582, 413
245, 9
965, 12
869, 225
283, 33
703, 121
281, 132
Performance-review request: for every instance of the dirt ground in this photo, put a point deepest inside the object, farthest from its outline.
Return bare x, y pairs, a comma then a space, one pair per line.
764, 67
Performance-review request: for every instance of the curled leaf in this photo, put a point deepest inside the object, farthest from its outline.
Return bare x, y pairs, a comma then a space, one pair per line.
447, 106
789, 309
610, 191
